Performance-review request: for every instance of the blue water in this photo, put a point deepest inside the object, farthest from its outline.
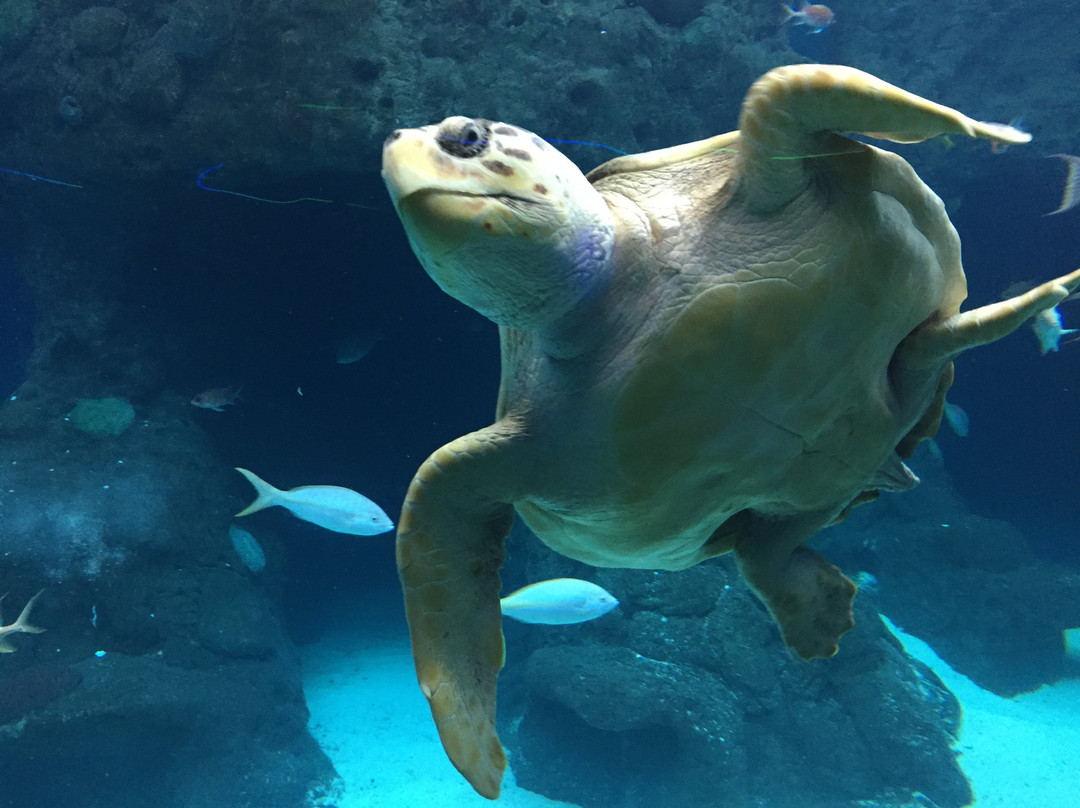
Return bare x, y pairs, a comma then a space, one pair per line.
1021, 403
16, 326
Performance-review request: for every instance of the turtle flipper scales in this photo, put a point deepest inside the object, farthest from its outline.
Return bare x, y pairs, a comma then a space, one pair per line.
450, 545
935, 343
795, 112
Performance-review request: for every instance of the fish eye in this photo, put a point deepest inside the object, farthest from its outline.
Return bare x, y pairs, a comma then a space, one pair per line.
464, 137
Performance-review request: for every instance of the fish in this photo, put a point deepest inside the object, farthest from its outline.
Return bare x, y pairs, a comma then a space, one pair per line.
1070, 197
248, 548
957, 419
355, 347
21, 625
934, 451
1048, 330
866, 581
217, 398
558, 602
1017, 288
341, 510
815, 16
1071, 638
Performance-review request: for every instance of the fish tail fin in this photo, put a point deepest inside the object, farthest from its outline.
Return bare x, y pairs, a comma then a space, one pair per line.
789, 12
23, 622
266, 494
1070, 197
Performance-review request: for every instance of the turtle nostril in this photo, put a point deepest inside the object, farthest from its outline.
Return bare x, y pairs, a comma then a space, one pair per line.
393, 136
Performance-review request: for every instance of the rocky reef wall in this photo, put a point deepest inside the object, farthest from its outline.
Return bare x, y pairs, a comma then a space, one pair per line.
109, 92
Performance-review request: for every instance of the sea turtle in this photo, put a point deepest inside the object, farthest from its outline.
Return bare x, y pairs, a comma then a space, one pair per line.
719, 346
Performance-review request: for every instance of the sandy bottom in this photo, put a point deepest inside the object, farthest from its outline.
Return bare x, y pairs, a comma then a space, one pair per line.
369, 716
367, 713
1022, 752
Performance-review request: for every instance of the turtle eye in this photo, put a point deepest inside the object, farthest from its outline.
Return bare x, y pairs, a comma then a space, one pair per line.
463, 137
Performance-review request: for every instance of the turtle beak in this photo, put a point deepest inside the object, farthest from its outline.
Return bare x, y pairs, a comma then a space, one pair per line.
407, 164
442, 220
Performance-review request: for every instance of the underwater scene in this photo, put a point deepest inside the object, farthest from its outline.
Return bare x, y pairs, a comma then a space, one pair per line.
540, 403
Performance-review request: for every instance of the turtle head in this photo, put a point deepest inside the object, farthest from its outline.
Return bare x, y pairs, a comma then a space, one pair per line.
499, 218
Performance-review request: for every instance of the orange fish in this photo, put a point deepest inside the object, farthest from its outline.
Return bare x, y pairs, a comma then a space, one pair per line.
217, 398
815, 16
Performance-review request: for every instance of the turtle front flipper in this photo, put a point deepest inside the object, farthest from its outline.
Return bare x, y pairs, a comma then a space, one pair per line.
794, 112
450, 545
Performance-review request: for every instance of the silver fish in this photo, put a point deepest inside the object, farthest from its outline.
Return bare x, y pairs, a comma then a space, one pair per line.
558, 602
330, 506
957, 418
1047, 327
21, 625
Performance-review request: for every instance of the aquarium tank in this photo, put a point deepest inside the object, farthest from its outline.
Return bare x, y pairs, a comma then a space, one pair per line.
609, 404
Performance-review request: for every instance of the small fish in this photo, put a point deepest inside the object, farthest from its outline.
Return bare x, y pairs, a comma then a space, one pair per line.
355, 347
558, 602
1017, 288
932, 449
957, 419
866, 581
1070, 197
1047, 327
217, 398
248, 548
1071, 637
815, 16
330, 506
21, 625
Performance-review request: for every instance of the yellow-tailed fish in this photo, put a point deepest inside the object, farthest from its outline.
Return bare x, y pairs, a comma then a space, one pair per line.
330, 506
21, 625
558, 602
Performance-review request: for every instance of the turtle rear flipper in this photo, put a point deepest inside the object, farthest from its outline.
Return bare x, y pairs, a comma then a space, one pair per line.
810, 600
923, 360
450, 545
808, 597
935, 343
792, 113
